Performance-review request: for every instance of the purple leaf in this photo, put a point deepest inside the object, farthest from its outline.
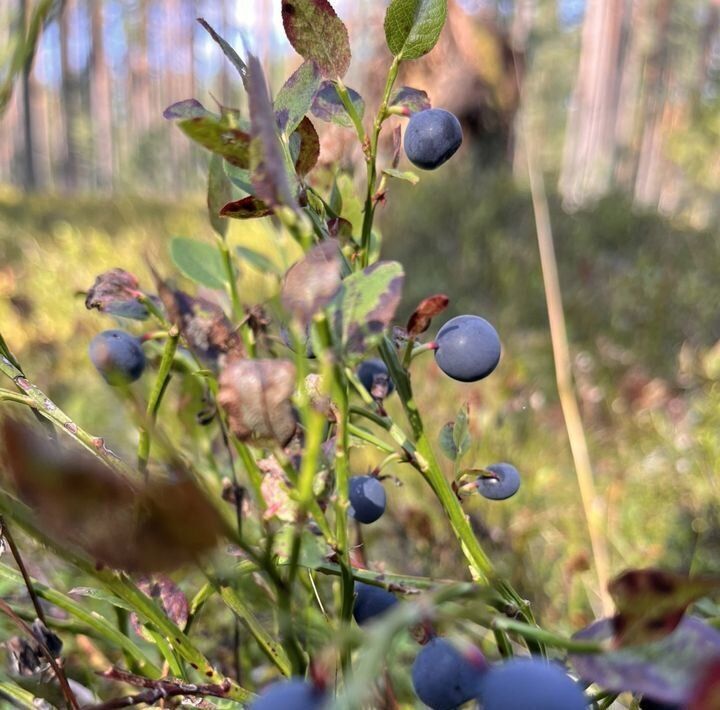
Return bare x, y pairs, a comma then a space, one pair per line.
189, 108
308, 147
247, 208
328, 105
296, 96
409, 100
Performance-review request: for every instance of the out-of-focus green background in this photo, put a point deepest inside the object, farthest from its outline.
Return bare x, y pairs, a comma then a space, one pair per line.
621, 105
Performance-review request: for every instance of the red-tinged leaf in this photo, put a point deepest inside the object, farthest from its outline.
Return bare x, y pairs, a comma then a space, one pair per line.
308, 147
117, 292
247, 208
170, 597
189, 108
366, 305
328, 106
202, 323
706, 693
651, 603
340, 228
117, 522
256, 396
269, 173
218, 136
312, 282
422, 316
409, 100
229, 52
296, 96
317, 33
666, 670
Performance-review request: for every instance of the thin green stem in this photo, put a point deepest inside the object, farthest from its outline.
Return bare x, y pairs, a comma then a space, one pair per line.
155, 399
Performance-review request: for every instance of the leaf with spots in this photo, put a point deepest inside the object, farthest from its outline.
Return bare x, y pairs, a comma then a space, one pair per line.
412, 27
328, 105
222, 135
312, 282
365, 306
409, 100
296, 96
318, 34
666, 670
650, 603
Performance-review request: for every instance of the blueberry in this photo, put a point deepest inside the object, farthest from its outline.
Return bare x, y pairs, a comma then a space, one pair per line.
503, 483
117, 356
375, 378
524, 683
468, 348
432, 137
367, 499
292, 694
371, 601
443, 677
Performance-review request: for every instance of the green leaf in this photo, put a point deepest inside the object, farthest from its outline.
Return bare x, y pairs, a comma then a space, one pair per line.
218, 136
296, 96
218, 195
407, 175
313, 552
258, 261
102, 596
461, 431
317, 33
447, 441
328, 105
366, 305
199, 261
412, 27
240, 177
229, 52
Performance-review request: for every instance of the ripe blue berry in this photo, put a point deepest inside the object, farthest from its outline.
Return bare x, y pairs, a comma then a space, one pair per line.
292, 694
468, 348
524, 683
503, 483
432, 137
444, 678
367, 499
117, 356
371, 601
375, 378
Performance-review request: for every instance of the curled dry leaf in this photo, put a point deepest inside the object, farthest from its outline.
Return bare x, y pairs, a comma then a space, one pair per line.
204, 325
256, 396
120, 523
652, 602
312, 282
116, 291
319, 399
170, 597
422, 316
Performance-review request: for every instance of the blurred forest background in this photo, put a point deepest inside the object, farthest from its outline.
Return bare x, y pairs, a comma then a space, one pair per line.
621, 100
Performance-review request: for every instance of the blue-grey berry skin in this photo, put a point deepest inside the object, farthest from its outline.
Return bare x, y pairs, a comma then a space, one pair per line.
375, 378
117, 356
524, 683
468, 348
432, 138
371, 602
292, 694
367, 499
503, 484
443, 678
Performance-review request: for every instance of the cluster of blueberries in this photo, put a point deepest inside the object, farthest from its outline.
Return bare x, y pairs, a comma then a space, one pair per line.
444, 677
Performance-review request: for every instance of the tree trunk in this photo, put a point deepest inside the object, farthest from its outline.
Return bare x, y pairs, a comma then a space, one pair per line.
67, 91
29, 177
100, 100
